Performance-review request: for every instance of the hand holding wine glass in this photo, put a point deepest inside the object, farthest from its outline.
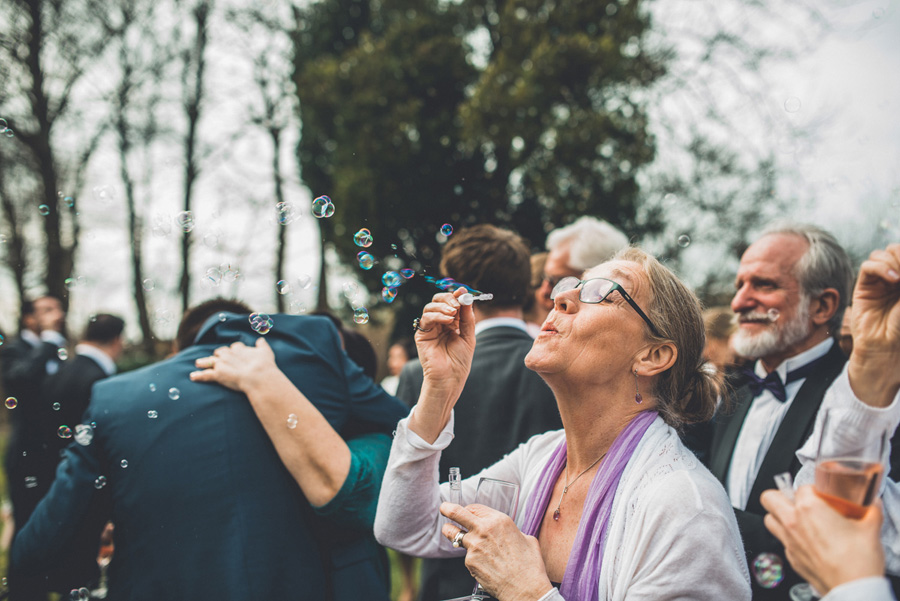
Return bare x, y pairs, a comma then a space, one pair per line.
505, 563
823, 546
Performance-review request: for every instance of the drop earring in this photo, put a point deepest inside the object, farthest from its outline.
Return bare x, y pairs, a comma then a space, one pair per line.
637, 394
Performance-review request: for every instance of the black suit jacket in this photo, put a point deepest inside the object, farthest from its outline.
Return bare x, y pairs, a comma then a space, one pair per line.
204, 508
796, 427
502, 405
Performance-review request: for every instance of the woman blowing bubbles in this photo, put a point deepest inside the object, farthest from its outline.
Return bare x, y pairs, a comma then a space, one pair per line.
613, 506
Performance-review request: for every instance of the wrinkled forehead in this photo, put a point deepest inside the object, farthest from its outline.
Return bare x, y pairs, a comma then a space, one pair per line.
627, 274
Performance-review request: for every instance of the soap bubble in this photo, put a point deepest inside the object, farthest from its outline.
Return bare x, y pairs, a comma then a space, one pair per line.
792, 104
124, 463
407, 273
282, 287
211, 240
322, 207
297, 307
284, 212
229, 274
100, 482
366, 260
103, 193
1, 339
305, 281
292, 421
3, 125
185, 221
222, 317
44, 210
56, 406
773, 314
148, 284
768, 570
70, 202
388, 294
152, 387
214, 275
391, 279
64, 432
261, 323
363, 238
446, 229
63, 354
12, 402
684, 240
174, 394
30, 482
152, 414
361, 315
84, 434
351, 289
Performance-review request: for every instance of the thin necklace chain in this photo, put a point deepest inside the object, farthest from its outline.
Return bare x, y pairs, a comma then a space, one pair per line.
568, 484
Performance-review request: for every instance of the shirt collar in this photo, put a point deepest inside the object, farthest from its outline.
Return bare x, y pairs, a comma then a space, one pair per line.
497, 322
30, 337
796, 361
103, 360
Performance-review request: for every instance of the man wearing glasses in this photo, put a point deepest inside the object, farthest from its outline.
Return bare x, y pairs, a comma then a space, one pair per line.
576, 247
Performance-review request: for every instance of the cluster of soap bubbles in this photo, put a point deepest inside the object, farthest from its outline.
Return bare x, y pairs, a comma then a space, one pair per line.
363, 238
84, 434
223, 273
322, 207
80, 594
185, 220
366, 260
5, 129
285, 213
261, 323
768, 570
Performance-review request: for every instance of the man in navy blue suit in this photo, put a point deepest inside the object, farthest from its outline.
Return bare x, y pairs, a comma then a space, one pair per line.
202, 504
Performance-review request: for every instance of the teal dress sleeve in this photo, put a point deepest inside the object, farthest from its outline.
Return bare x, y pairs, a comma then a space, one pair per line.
354, 505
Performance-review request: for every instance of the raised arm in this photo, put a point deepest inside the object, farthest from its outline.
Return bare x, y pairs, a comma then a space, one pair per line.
873, 363
314, 453
445, 339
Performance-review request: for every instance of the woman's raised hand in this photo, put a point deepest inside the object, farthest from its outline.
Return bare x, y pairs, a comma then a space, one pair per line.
446, 340
237, 366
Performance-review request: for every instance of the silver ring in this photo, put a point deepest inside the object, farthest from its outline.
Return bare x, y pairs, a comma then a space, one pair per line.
457, 540
416, 323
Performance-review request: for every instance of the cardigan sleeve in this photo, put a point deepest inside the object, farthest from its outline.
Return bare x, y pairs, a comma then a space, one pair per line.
859, 424
354, 504
870, 589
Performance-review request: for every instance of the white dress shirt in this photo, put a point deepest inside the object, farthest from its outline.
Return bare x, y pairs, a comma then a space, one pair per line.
496, 322
763, 419
105, 362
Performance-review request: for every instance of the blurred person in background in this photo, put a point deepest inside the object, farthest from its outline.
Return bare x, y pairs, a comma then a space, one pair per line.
581, 245
399, 354
25, 364
534, 310
719, 325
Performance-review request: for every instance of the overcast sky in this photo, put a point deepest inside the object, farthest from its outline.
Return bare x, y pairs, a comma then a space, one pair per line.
846, 92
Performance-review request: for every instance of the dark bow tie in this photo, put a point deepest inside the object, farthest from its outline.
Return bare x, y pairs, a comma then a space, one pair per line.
772, 382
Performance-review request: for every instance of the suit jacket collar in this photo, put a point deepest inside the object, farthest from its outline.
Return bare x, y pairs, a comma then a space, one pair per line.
502, 333
794, 429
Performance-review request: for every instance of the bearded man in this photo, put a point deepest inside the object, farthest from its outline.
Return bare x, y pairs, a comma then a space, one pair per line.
792, 287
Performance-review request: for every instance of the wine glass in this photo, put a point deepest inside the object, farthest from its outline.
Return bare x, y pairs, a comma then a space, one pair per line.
502, 496
848, 481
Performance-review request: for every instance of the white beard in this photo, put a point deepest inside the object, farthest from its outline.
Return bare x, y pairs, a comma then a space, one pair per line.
775, 338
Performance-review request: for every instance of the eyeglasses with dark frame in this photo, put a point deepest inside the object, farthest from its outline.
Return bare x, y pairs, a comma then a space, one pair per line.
595, 290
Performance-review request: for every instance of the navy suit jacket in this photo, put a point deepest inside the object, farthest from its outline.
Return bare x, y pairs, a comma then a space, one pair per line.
204, 508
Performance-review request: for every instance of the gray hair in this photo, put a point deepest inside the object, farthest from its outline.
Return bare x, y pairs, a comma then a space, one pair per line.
824, 265
591, 241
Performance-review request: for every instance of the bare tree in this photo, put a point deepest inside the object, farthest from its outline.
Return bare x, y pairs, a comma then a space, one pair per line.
192, 77
47, 50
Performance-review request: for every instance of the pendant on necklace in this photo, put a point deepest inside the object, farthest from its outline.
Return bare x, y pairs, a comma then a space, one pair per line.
556, 515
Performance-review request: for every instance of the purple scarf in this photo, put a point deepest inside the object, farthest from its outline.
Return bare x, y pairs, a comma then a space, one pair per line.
582, 575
